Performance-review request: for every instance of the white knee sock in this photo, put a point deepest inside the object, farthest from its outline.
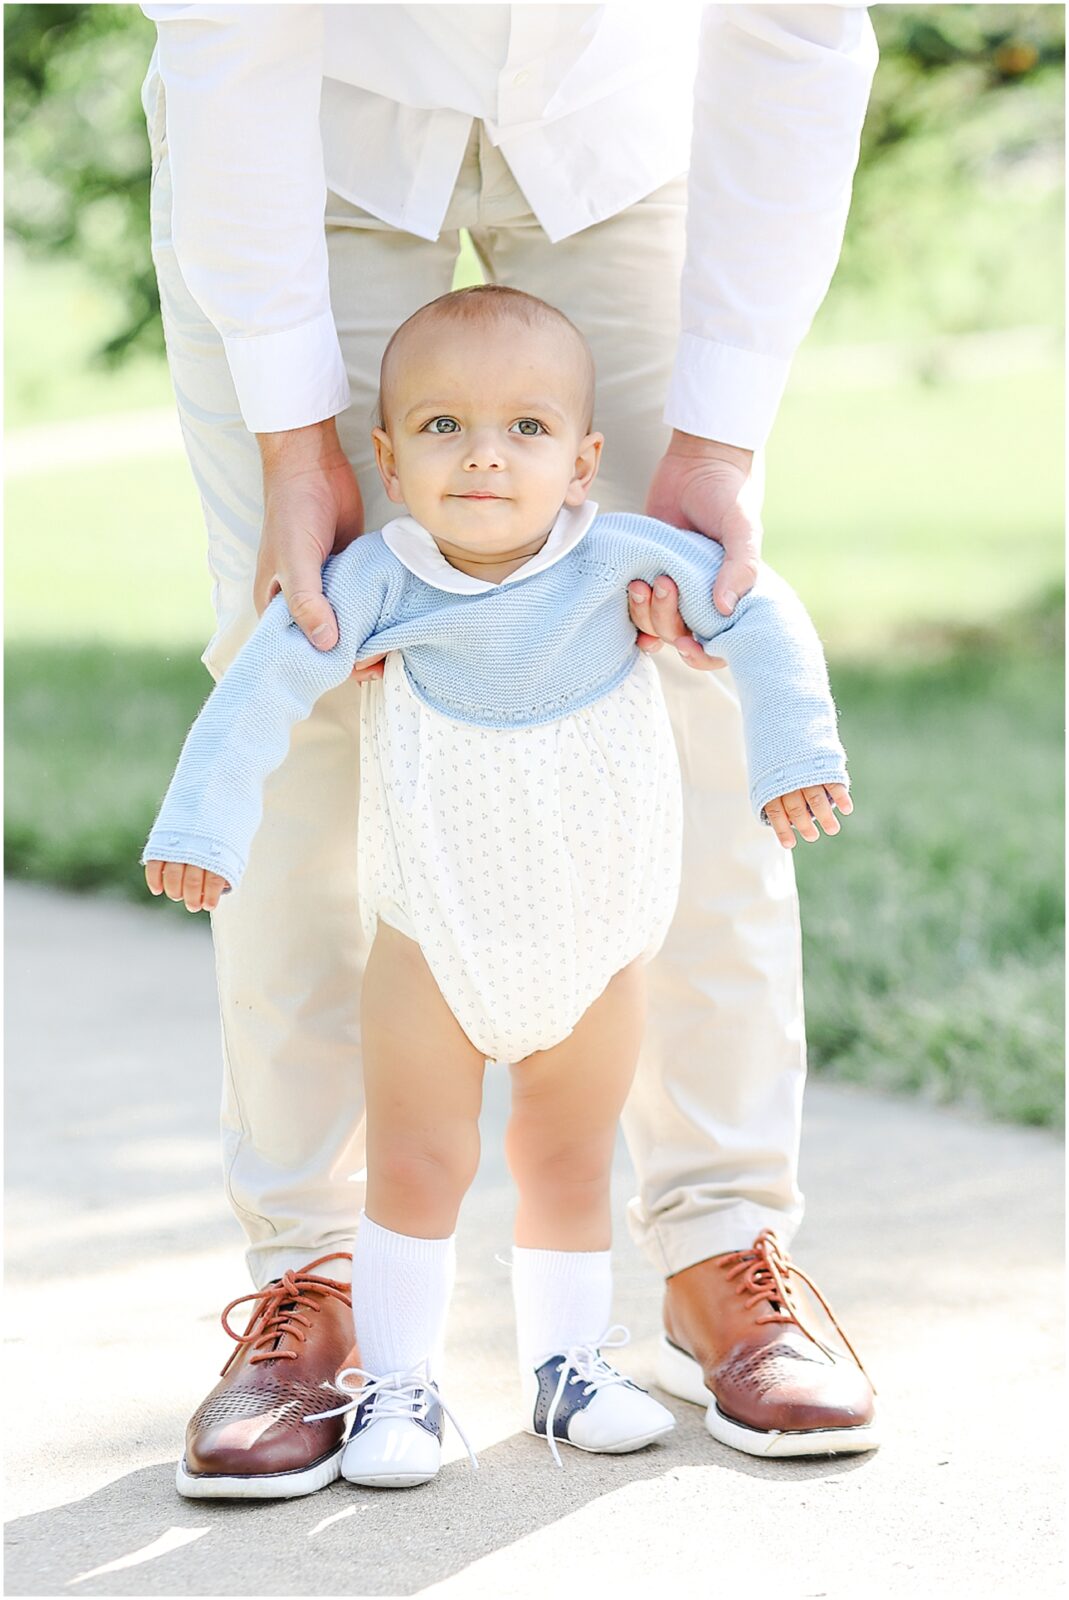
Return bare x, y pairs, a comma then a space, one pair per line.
562, 1297
401, 1291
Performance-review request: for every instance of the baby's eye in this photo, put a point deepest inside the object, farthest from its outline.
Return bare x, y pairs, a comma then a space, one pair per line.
449, 425
528, 426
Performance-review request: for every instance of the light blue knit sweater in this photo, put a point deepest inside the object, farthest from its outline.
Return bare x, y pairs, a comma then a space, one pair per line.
521, 653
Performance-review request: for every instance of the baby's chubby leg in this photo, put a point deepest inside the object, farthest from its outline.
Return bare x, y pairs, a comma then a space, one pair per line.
566, 1104
423, 1085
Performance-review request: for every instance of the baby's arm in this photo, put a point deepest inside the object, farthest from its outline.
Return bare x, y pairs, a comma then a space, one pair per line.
776, 659
200, 839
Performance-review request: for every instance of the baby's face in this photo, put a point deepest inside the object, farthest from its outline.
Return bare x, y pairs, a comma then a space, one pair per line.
485, 436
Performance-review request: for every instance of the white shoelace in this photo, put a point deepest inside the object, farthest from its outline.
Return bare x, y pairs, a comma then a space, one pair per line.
393, 1394
583, 1363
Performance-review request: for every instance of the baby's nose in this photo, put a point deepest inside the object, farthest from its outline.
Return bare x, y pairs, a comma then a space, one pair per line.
484, 454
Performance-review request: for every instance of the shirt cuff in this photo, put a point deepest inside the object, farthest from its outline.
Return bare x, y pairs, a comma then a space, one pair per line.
289, 379
723, 393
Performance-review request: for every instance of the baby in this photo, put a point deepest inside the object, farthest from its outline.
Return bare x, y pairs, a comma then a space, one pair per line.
518, 841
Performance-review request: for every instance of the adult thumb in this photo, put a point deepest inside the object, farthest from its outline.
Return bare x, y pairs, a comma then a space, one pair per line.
311, 611
736, 577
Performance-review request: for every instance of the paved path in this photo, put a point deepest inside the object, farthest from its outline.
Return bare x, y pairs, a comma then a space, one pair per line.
937, 1238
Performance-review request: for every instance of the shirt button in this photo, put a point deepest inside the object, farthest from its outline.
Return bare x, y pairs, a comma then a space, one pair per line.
521, 78
215, 849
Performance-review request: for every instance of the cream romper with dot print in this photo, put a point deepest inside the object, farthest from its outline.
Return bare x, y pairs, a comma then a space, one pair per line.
529, 864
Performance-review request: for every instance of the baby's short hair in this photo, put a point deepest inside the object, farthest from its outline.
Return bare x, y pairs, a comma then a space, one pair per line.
493, 303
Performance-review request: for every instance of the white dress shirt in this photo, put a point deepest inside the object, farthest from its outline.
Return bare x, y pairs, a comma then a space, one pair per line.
593, 107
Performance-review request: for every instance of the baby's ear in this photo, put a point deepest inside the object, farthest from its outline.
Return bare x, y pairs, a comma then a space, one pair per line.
387, 465
586, 467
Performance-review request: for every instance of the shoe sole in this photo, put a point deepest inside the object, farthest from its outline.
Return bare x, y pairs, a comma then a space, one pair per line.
261, 1485
621, 1449
394, 1480
680, 1375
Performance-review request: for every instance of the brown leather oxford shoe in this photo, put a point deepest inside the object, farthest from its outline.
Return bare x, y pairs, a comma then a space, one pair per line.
736, 1342
248, 1440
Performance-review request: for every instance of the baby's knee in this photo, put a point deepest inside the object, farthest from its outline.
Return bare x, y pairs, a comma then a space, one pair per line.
429, 1170
549, 1159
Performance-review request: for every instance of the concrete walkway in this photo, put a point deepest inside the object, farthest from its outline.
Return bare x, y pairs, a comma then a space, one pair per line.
937, 1238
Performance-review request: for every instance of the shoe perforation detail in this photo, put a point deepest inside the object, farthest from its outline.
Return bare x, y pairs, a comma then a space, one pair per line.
291, 1400
764, 1369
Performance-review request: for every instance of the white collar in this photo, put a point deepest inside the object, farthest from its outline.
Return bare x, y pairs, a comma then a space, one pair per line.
415, 549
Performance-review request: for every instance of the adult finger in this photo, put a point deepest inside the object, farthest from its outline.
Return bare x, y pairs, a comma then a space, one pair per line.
736, 577
690, 651
664, 611
739, 532
657, 617
311, 610
367, 671
639, 597
668, 624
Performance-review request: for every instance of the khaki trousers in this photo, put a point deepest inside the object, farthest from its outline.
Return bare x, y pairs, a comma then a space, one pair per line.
712, 1124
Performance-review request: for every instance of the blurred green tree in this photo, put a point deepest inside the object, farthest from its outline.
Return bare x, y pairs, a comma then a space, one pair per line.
76, 150
966, 96
957, 219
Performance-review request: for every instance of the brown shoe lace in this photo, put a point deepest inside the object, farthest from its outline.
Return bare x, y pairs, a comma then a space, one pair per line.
763, 1273
280, 1310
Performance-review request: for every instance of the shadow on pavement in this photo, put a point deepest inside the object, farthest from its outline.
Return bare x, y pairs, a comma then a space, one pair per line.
937, 1237
346, 1540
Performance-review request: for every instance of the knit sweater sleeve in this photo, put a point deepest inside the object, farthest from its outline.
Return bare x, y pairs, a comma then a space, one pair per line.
213, 805
775, 656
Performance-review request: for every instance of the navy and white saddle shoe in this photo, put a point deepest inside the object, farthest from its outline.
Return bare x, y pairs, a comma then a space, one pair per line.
396, 1437
578, 1397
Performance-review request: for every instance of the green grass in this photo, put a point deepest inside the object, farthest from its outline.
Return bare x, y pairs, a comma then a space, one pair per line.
961, 224
932, 924
115, 552
902, 507
92, 735
55, 316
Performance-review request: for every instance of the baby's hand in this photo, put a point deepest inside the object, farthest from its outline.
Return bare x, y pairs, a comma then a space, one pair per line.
804, 808
179, 881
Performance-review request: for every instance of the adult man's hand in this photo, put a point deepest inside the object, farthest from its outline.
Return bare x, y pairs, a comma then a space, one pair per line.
711, 488
312, 510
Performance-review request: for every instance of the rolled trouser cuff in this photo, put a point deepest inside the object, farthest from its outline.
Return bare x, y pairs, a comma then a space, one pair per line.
734, 1225
267, 1265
